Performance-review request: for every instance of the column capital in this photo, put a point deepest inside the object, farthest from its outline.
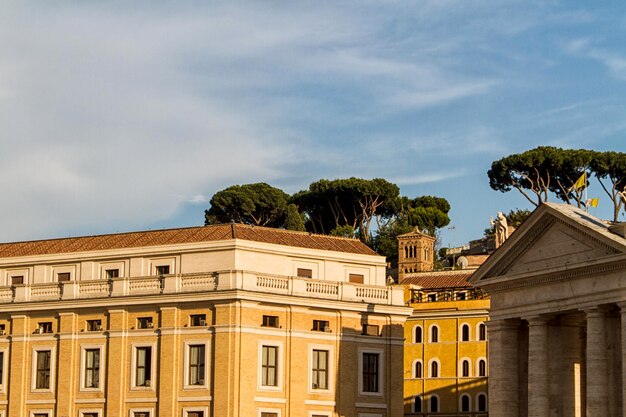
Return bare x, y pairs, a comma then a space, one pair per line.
538, 320
622, 306
595, 312
503, 324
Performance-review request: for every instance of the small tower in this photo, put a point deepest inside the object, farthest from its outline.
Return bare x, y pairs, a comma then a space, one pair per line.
415, 253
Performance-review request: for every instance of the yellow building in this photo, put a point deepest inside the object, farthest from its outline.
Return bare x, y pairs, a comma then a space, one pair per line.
445, 355
223, 321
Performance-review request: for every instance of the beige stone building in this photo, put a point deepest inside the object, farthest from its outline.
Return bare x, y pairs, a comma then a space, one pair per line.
416, 253
557, 329
222, 321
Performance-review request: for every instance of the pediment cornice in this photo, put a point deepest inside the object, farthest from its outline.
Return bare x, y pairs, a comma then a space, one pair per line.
600, 267
548, 241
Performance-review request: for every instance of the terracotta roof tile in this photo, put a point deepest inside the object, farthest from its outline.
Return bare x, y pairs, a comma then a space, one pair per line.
439, 279
184, 235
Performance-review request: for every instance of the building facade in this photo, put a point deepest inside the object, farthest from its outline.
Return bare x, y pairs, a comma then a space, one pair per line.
222, 321
445, 356
558, 317
416, 253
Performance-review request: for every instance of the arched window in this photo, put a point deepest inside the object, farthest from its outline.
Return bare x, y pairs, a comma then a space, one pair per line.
434, 369
417, 334
417, 404
434, 404
465, 333
465, 403
434, 334
482, 367
482, 402
465, 368
417, 370
482, 331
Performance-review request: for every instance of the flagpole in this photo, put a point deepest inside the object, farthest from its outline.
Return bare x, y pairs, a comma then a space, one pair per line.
586, 205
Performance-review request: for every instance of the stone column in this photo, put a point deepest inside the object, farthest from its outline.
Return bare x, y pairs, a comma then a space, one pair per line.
503, 368
597, 364
622, 307
538, 375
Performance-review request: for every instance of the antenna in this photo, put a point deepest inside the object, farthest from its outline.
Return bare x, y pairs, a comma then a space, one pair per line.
453, 229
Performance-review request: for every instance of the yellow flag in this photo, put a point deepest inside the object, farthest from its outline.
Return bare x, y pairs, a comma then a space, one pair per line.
593, 202
581, 183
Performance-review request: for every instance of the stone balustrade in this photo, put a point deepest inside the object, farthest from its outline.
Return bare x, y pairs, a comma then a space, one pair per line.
203, 282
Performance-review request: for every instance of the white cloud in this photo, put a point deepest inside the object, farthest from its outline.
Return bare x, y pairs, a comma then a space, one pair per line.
426, 178
114, 115
615, 62
440, 94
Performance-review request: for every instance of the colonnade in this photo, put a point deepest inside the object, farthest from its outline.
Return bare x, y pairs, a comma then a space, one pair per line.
559, 365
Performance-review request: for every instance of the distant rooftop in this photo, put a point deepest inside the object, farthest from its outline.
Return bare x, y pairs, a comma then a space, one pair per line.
181, 236
439, 279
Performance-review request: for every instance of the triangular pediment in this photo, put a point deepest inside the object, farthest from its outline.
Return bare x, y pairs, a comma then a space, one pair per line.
552, 237
557, 246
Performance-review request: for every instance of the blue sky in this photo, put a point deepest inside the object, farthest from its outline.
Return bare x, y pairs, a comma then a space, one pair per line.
119, 116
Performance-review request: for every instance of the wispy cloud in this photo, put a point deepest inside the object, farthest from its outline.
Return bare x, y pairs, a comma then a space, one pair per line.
439, 96
426, 178
614, 61
121, 113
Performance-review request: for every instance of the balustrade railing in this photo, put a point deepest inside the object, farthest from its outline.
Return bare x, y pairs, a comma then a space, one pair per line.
46, 291
202, 282
94, 288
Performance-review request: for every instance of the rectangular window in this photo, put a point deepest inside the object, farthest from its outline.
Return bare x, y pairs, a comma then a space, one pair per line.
145, 323
63, 276
370, 372
320, 326
89, 415
195, 413
1, 367
44, 327
3, 330
357, 278
94, 325
269, 366
198, 320
17, 279
41, 415
460, 296
143, 366
162, 269
92, 368
112, 273
320, 369
264, 414
305, 273
196, 364
141, 414
270, 321
370, 330
42, 377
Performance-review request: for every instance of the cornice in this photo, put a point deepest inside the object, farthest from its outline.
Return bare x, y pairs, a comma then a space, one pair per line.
215, 297
192, 247
496, 285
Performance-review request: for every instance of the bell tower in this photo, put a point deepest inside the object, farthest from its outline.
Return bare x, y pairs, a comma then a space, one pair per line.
416, 252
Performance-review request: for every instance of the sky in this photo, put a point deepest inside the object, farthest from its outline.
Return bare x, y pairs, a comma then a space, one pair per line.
120, 116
